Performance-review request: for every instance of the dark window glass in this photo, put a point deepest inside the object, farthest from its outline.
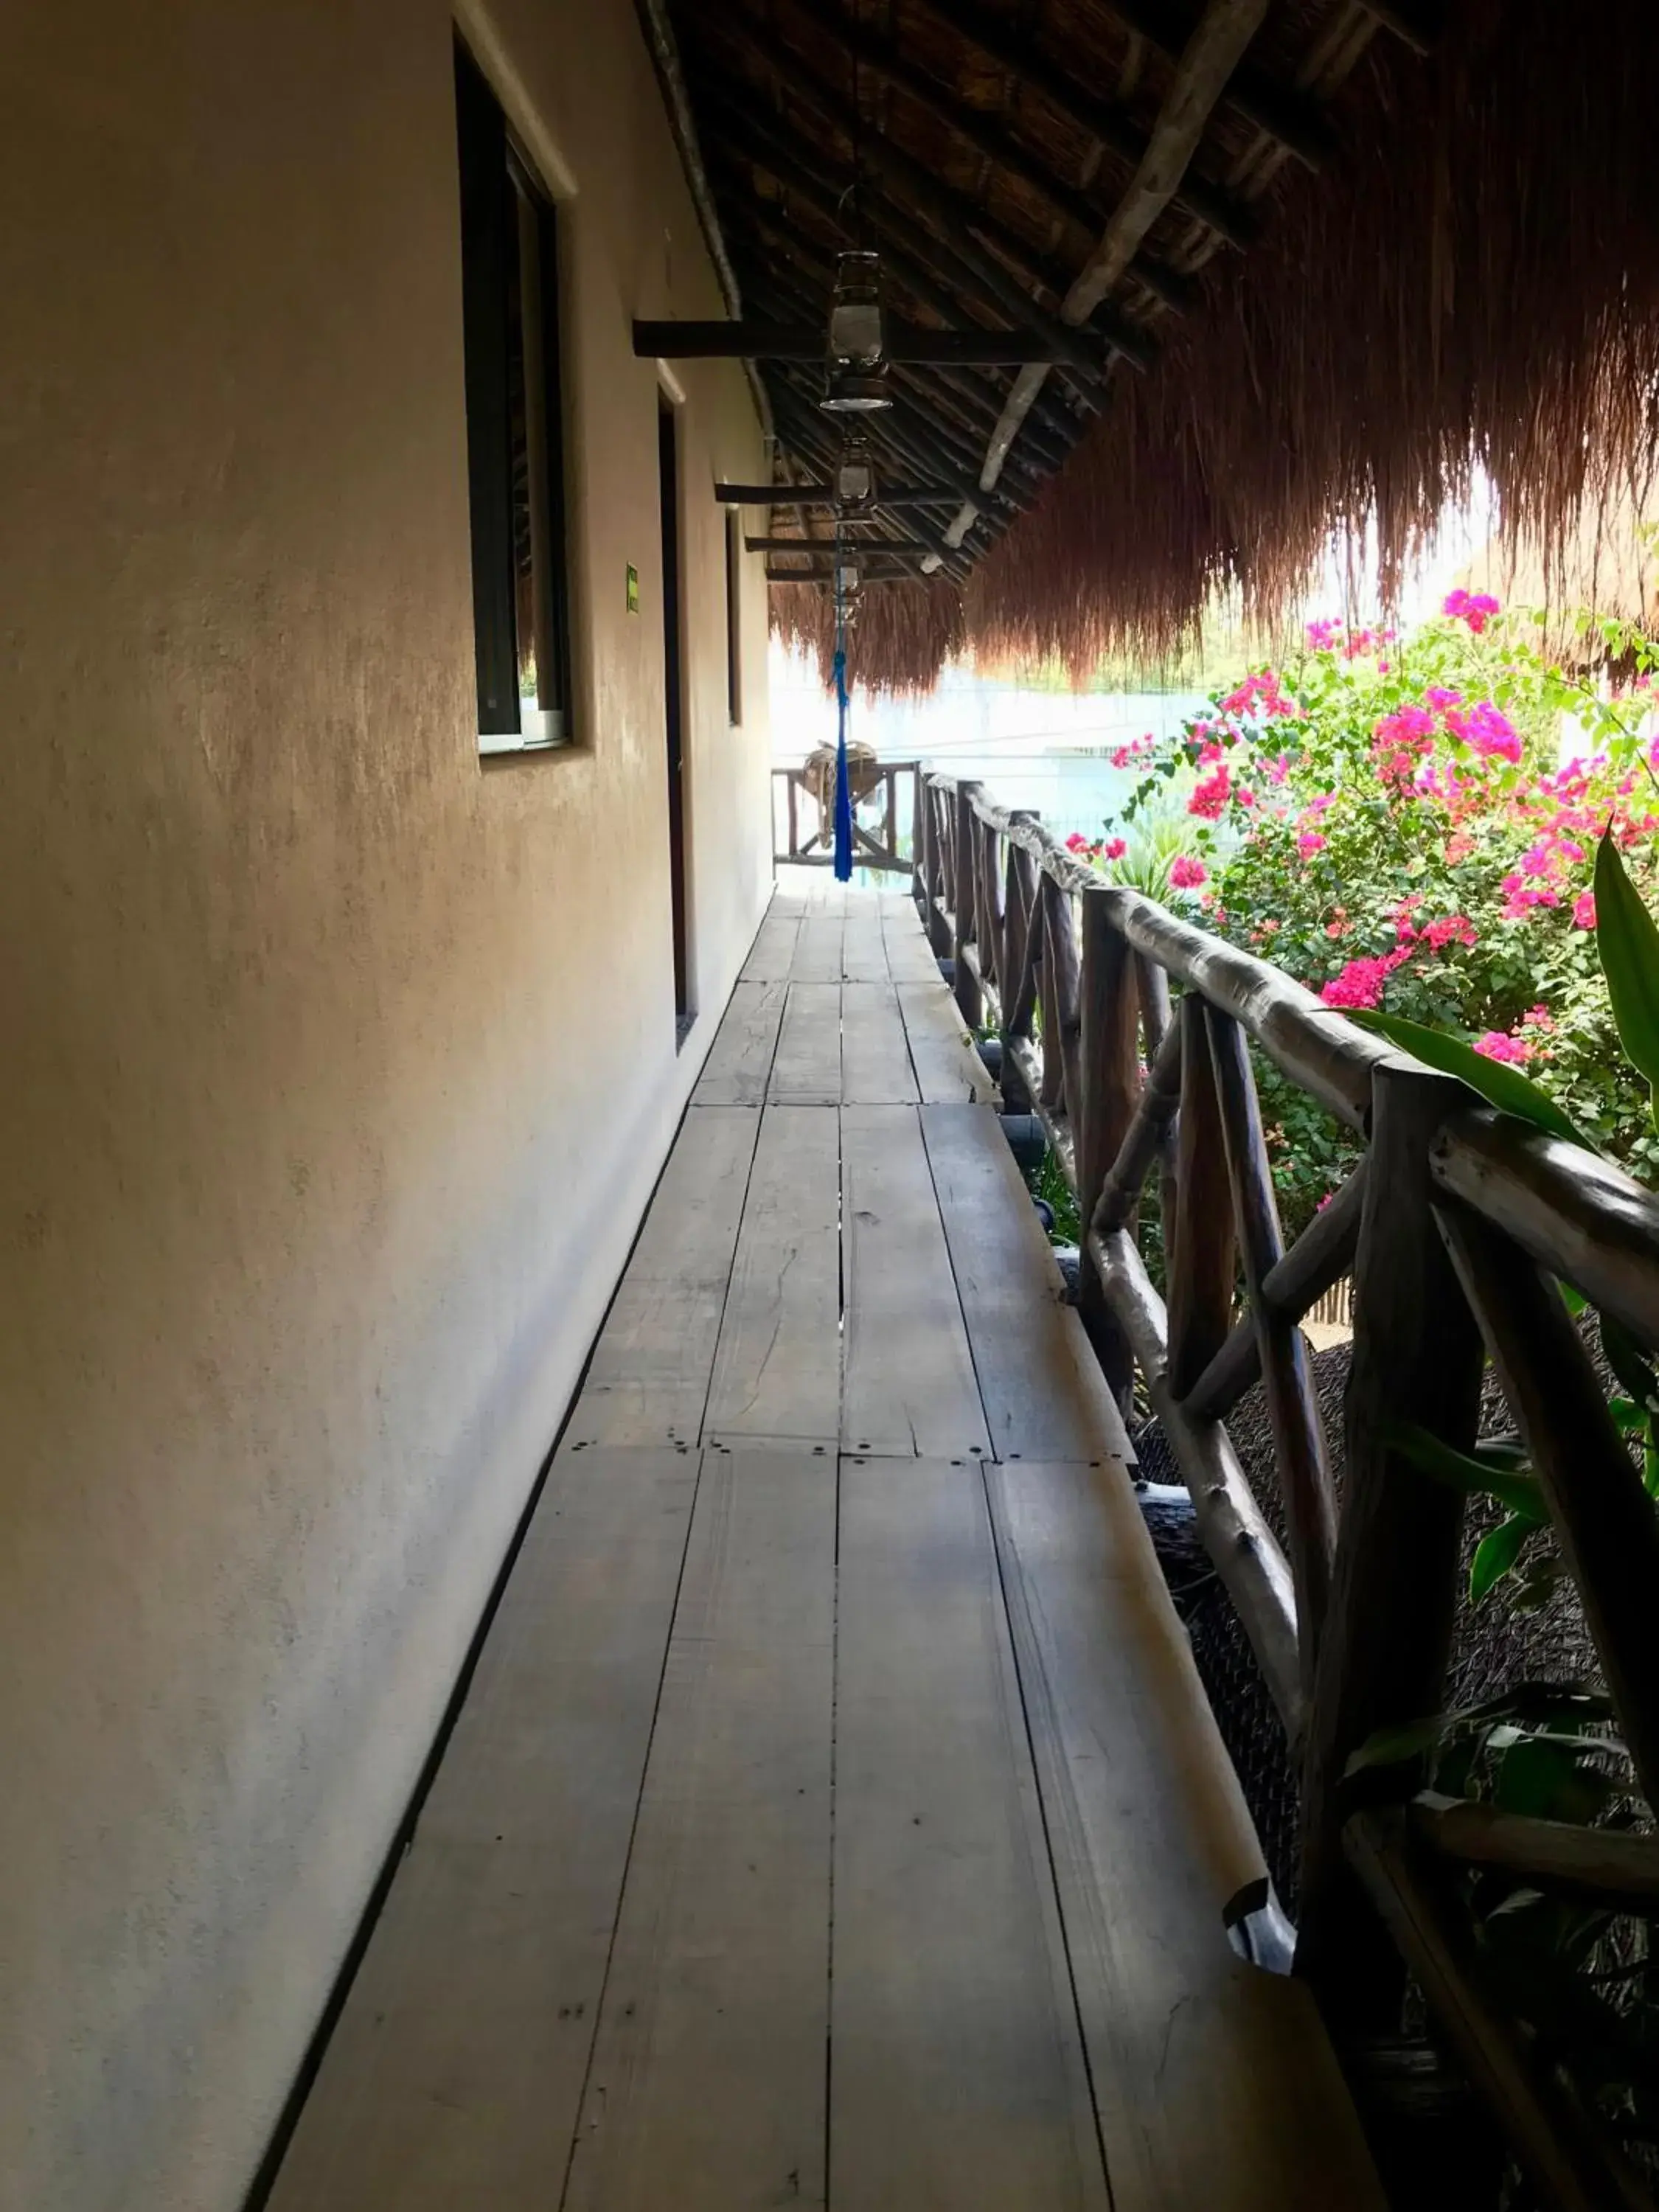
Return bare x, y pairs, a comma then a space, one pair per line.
509, 284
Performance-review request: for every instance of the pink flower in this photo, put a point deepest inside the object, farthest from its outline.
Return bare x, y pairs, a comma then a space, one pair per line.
1308, 843
1209, 754
1115, 848
1475, 608
1210, 798
1451, 929
1439, 699
1121, 757
1322, 635
1495, 1045
1458, 847
1490, 732
1246, 797
1077, 842
1538, 1017
1187, 873
1584, 910
1361, 983
1279, 768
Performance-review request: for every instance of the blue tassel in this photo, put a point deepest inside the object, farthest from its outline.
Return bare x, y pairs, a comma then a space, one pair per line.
843, 785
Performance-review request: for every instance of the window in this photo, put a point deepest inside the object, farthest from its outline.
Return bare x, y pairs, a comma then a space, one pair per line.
733, 619
514, 447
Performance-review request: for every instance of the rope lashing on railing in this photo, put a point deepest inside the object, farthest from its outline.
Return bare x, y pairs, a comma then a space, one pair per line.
843, 783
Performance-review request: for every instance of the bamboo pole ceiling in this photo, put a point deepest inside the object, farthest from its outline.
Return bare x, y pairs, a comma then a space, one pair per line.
1104, 179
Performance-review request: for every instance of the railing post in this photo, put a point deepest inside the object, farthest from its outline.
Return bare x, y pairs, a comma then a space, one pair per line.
1054, 1050
1022, 938
1109, 1085
1417, 1359
964, 872
1305, 1478
988, 932
939, 930
1199, 1258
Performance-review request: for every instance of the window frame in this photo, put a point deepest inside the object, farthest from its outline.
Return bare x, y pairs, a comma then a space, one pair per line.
510, 261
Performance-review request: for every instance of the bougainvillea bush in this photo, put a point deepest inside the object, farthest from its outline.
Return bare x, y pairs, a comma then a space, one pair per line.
1394, 820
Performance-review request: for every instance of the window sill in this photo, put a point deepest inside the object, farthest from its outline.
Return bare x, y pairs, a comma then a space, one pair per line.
492, 756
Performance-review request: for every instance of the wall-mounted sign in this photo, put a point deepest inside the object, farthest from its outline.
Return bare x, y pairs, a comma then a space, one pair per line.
633, 589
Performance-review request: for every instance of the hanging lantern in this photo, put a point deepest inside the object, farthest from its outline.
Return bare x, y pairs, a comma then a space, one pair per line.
858, 373
847, 579
855, 311
855, 477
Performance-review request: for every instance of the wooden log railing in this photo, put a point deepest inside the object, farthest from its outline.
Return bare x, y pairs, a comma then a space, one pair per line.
1131, 1032
804, 833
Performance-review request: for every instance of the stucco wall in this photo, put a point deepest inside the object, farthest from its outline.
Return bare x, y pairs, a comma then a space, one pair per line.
337, 1069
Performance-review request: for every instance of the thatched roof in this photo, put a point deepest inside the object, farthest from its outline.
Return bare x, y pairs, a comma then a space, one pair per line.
1605, 563
1307, 260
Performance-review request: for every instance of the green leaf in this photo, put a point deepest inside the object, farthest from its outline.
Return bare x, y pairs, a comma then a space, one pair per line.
1516, 1487
1549, 1781
1629, 945
1496, 1554
1495, 1081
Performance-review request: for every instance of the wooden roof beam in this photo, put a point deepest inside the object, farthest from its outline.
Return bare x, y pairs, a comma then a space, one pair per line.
1208, 63
997, 147
754, 339
805, 429
1219, 210
951, 217
859, 546
948, 290
825, 495
1284, 116
903, 442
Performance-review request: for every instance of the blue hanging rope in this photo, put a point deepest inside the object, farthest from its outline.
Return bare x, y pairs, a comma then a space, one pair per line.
843, 783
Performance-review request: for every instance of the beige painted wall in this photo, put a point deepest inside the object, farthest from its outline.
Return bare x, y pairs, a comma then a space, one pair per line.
335, 1069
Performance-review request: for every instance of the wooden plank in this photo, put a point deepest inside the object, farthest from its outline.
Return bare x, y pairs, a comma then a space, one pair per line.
949, 1072
818, 949
875, 1054
455, 2074
1044, 1395
909, 1385
806, 1068
864, 946
649, 1378
708, 2084
773, 952
1215, 2082
739, 1061
958, 2073
777, 1370
910, 958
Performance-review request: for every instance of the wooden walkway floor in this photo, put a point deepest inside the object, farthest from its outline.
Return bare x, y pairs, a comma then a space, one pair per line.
835, 1817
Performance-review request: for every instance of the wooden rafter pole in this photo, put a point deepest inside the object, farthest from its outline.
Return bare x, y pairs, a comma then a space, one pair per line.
1283, 116
881, 59
1207, 62
1220, 210
951, 218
